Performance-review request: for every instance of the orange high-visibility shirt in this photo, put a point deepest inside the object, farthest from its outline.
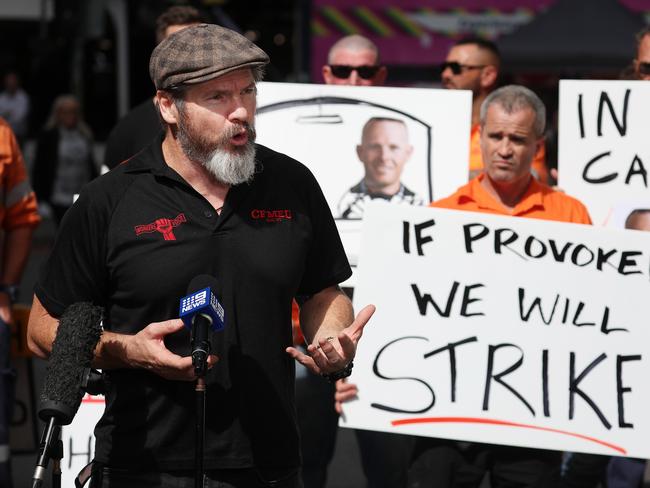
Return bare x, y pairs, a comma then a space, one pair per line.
18, 206
539, 202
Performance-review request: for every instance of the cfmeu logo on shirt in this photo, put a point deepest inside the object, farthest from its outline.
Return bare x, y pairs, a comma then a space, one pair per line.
163, 225
268, 215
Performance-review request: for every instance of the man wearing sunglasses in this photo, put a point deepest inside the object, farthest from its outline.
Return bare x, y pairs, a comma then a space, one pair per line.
642, 60
354, 60
474, 64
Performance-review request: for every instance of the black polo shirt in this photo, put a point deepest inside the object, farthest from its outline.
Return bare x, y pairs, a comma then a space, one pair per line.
135, 239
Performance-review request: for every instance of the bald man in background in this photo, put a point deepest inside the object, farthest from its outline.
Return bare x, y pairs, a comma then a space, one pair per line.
354, 60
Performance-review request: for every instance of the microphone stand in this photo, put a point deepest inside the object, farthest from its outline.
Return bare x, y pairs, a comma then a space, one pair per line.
199, 388
57, 414
200, 351
50, 442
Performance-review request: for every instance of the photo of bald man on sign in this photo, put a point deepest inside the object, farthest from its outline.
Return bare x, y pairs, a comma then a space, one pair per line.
384, 151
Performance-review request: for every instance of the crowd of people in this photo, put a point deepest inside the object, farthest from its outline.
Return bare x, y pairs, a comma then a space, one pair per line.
187, 155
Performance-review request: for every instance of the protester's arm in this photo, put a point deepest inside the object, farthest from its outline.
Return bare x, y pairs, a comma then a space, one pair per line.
17, 244
144, 350
328, 323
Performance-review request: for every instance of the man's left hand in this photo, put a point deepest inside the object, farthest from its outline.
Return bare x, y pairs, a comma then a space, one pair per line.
333, 354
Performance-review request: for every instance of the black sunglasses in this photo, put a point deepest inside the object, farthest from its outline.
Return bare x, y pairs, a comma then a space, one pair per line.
343, 71
457, 68
644, 68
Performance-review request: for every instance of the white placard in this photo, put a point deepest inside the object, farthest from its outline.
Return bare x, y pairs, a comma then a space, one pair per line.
551, 341
604, 145
320, 126
79, 439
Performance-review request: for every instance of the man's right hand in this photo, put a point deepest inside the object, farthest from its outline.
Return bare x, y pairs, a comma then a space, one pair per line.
344, 392
147, 350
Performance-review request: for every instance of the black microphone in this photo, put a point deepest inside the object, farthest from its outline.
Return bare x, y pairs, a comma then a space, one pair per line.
69, 375
201, 312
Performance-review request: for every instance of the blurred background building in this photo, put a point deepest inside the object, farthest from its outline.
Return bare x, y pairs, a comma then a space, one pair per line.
99, 49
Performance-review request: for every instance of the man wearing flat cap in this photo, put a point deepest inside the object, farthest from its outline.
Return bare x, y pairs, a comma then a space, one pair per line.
203, 199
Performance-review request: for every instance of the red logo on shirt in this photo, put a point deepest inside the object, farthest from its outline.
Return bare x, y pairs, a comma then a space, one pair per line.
164, 226
271, 215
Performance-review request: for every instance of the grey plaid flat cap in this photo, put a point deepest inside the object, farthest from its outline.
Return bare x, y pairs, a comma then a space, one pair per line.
200, 53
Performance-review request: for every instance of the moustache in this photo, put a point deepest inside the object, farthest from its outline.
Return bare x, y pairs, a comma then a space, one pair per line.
236, 129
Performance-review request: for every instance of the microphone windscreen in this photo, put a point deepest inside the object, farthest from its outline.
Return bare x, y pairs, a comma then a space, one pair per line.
79, 330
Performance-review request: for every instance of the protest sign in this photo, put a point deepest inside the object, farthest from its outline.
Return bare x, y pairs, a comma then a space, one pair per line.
321, 126
503, 330
78, 438
604, 149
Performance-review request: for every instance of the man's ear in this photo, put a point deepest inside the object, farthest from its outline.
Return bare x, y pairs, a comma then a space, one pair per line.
409, 150
167, 107
327, 74
489, 75
360, 152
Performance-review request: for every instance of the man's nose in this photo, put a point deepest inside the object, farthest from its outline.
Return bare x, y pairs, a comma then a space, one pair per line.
384, 153
239, 111
505, 147
354, 78
447, 74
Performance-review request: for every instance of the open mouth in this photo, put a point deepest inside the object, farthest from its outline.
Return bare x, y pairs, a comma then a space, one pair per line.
240, 138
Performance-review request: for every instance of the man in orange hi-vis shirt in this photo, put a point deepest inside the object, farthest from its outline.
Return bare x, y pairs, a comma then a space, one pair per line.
511, 129
18, 217
474, 64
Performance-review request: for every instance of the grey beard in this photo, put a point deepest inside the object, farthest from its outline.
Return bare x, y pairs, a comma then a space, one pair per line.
231, 167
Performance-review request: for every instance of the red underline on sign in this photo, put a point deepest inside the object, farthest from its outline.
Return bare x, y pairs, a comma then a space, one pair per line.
91, 399
475, 420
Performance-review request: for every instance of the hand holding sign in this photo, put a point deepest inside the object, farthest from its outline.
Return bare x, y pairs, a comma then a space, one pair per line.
344, 392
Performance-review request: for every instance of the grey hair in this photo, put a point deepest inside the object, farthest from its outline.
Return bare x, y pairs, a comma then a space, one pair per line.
354, 42
513, 98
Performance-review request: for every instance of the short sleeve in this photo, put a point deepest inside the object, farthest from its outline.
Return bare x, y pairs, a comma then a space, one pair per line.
76, 269
327, 264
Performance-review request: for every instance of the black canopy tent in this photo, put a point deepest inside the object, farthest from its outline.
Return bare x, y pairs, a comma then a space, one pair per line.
573, 36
